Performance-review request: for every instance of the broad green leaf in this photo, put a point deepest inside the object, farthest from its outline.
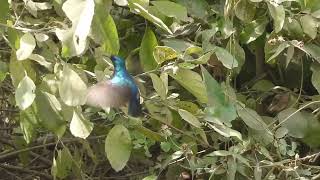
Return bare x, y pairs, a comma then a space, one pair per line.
311, 49
148, 44
105, 30
293, 27
195, 8
279, 49
245, 11
222, 153
72, 89
177, 44
226, 131
190, 118
4, 70
296, 124
253, 30
226, 58
29, 123
159, 86
232, 168
27, 45
171, 9
278, 15
62, 165
48, 111
251, 118
80, 126
315, 79
164, 53
144, 13
188, 106
219, 106
4, 11
309, 26
118, 147
192, 82
263, 85
25, 93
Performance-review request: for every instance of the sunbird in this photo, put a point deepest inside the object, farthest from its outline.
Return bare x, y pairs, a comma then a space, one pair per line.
117, 91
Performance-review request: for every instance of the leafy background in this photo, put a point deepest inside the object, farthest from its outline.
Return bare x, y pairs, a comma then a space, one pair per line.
230, 89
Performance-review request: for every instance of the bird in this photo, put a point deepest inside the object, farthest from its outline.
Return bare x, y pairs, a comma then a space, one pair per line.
118, 91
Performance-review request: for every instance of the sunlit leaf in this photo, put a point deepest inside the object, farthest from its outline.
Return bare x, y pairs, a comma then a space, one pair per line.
29, 123
144, 13
62, 164
251, 118
278, 15
245, 11
80, 126
25, 93
118, 147
309, 26
226, 58
72, 89
27, 45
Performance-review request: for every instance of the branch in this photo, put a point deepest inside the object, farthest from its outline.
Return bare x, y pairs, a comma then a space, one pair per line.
25, 170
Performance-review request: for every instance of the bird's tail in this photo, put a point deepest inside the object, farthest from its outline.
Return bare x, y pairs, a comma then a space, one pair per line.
134, 108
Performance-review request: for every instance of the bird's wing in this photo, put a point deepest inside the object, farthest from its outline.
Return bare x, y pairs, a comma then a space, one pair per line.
106, 94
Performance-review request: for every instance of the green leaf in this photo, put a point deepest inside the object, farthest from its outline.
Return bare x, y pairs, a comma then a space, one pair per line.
236, 51
226, 58
190, 118
151, 177
80, 126
25, 93
118, 147
144, 13
4, 11
253, 30
27, 45
192, 82
195, 8
29, 123
251, 118
48, 111
105, 30
296, 124
171, 9
148, 44
315, 79
164, 53
294, 27
72, 89
278, 15
279, 49
309, 26
121, 2
245, 10
41, 60
4, 70
159, 86
62, 165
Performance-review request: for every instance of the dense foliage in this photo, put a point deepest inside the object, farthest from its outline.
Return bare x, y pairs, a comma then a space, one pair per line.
230, 89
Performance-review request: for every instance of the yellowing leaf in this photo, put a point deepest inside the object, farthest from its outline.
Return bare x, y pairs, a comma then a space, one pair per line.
164, 53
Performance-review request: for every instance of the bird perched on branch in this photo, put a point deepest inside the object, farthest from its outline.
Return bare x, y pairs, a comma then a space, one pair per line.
118, 91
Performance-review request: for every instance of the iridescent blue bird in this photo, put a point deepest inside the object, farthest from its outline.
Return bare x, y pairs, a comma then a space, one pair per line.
118, 91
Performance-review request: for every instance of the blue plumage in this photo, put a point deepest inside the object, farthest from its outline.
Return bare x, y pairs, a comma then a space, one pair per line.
118, 91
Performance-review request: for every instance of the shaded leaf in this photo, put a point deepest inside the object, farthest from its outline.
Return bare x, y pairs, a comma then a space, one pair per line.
296, 124
190, 118
315, 79
251, 118
245, 11
226, 58
158, 85
278, 15
171, 9
309, 26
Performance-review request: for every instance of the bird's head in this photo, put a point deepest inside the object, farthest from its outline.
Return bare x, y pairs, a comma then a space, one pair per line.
118, 62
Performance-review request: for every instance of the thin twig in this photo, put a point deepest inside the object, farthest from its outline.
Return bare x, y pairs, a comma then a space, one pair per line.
25, 170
